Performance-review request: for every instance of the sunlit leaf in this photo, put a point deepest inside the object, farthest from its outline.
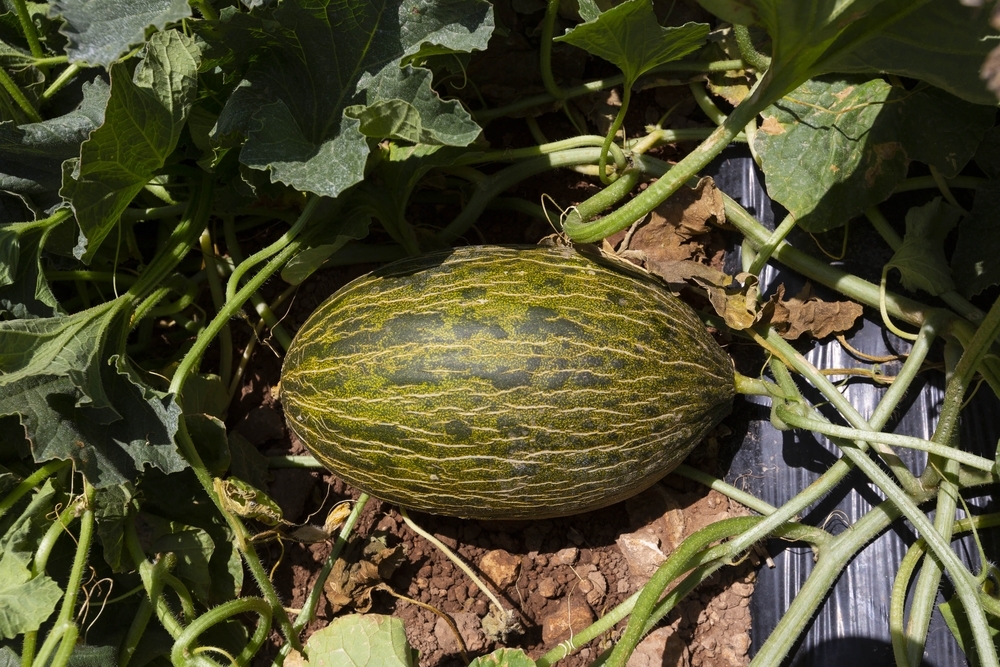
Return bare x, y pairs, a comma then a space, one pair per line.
835, 146
368, 640
504, 657
99, 31
630, 37
142, 124
290, 106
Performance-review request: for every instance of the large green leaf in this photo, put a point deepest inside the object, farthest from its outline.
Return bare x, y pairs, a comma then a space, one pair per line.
143, 121
31, 155
99, 31
974, 264
290, 106
834, 146
630, 37
942, 43
78, 399
25, 601
192, 546
370, 640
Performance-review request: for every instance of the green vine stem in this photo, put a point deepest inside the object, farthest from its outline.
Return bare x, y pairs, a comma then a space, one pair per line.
308, 612
17, 95
773, 241
792, 418
759, 61
135, 632
259, 304
545, 50
64, 77
182, 652
28, 28
716, 484
906, 505
609, 138
705, 102
212, 270
583, 230
263, 254
484, 115
30, 482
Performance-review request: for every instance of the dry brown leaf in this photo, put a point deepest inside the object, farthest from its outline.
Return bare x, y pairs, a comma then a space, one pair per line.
805, 313
737, 302
350, 584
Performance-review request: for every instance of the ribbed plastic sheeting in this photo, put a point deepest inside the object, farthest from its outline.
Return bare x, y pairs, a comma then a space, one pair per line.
852, 627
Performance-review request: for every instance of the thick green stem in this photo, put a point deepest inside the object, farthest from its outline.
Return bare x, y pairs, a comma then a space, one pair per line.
30, 482
17, 95
182, 651
906, 505
28, 28
212, 270
545, 50
582, 230
759, 61
776, 238
602, 163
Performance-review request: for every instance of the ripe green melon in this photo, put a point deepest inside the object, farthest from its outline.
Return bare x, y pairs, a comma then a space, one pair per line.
503, 383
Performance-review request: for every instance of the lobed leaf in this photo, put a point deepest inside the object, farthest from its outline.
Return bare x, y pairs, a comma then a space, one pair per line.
290, 105
920, 259
100, 31
25, 601
142, 124
630, 37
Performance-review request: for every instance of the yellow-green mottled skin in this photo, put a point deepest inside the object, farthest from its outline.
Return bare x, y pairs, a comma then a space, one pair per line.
499, 383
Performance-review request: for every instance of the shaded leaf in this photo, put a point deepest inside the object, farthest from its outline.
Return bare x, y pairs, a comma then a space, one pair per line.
192, 546
353, 225
112, 506
807, 314
209, 435
142, 123
834, 147
31, 155
941, 43
24, 291
630, 37
401, 105
76, 399
974, 264
22, 536
290, 107
25, 601
99, 31
920, 259
369, 640
958, 622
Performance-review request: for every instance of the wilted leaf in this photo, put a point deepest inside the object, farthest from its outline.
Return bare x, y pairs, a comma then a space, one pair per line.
805, 313
25, 601
504, 657
974, 265
920, 259
290, 107
99, 31
370, 640
355, 576
247, 501
630, 37
142, 124
31, 155
834, 147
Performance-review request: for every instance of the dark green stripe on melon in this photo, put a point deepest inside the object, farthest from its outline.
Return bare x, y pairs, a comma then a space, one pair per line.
497, 382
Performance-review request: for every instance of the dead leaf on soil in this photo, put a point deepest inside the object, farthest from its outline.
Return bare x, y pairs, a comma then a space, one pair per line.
805, 313
737, 302
678, 228
351, 583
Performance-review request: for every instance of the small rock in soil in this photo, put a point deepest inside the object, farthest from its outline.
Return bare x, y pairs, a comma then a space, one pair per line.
548, 588
500, 567
642, 553
566, 556
662, 648
468, 626
571, 616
